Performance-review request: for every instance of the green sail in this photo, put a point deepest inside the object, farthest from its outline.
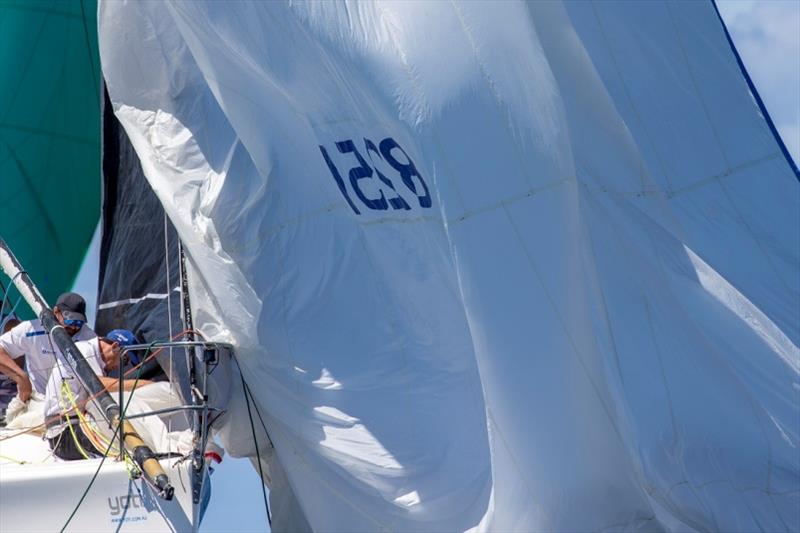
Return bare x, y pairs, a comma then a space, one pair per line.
49, 136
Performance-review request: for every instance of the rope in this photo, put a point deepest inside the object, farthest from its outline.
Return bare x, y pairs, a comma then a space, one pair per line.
11, 313
147, 358
91, 482
7, 458
258, 412
134, 369
64, 389
245, 391
91, 433
105, 455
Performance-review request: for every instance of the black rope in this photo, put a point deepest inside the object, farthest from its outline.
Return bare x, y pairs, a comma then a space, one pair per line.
258, 412
255, 441
94, 477
108, 450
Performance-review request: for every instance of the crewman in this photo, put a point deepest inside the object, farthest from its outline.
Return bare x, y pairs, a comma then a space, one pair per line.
66, 397
8, 388
29, 339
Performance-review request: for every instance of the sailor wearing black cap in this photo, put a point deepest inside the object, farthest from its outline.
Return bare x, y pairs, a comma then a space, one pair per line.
31, 340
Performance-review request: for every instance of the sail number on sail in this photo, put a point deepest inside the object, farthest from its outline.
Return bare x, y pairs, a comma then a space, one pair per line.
372, 188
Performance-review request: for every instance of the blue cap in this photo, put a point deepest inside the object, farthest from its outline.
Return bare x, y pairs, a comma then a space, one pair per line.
121, 336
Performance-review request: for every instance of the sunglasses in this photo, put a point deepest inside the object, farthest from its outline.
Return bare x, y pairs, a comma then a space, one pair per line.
74, 322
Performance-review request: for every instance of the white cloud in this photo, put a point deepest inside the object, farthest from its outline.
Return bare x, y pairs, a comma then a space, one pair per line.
733, 8
767, 36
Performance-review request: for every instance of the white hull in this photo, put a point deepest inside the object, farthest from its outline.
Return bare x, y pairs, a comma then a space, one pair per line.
40, 494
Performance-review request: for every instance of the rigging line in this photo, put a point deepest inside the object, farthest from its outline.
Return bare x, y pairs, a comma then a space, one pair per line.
6, 291
137, 368
258, 413
108, 450
149, 355
255, 441
166, 260
62, 393
169, 320
91, 481
17, 461
12, 312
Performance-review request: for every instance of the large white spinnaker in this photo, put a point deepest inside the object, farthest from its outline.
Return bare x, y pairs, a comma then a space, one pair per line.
514, 266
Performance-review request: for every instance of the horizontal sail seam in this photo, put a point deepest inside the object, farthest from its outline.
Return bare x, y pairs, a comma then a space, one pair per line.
148, 296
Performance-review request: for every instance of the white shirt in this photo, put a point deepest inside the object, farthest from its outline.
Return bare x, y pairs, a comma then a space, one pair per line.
56, 401
31, 340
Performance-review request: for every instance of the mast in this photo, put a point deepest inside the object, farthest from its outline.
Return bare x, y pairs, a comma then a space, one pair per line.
198, 418
141, 453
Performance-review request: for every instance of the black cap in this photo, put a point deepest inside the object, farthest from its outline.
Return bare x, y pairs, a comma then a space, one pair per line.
72, 306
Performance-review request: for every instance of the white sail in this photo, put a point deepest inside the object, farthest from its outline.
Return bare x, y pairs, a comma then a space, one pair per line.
505, 266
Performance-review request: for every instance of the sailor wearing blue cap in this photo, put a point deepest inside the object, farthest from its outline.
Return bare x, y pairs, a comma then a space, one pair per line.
65, 393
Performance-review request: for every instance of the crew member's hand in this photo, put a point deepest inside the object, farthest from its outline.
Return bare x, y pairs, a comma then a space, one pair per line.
24, 389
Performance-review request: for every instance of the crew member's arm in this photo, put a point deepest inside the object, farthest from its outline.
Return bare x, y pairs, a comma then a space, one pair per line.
112, 384
10, 368
13, 345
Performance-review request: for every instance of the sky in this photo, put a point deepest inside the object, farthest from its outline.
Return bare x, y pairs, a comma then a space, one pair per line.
767, 36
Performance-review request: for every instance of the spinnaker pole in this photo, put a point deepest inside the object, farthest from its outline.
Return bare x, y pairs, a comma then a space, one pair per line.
141, 453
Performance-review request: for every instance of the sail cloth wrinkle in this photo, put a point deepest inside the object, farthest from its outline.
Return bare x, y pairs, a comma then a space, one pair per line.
484, 264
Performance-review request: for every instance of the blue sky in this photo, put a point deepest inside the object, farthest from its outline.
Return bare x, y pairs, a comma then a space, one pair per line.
767, 35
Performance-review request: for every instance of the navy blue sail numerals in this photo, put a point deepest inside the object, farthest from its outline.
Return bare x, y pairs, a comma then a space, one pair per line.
387, 193
362, 171
407, 171
397, 202
338, 178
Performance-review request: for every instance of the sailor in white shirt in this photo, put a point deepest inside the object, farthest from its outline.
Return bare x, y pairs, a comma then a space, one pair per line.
31, 340
103, 356
8, 389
